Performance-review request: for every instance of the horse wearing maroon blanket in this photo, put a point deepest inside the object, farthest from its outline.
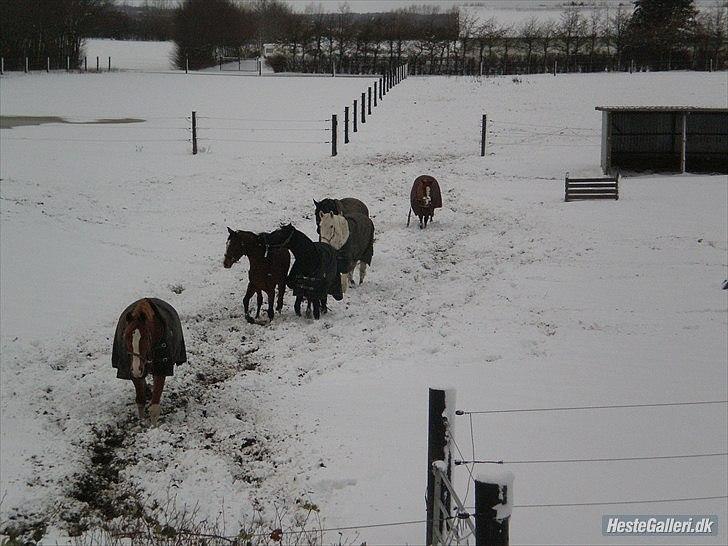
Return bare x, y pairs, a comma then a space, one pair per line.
148, 340
425, 197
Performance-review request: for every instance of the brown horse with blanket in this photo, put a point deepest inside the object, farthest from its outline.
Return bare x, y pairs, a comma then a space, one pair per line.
425, 197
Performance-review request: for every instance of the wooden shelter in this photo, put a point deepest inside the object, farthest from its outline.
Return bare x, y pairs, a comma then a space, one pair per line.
664, 139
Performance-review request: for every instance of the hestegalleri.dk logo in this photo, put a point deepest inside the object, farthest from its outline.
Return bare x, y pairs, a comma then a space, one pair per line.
662, 525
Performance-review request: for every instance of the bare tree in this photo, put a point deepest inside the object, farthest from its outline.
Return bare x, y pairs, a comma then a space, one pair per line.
530, 33
616, 33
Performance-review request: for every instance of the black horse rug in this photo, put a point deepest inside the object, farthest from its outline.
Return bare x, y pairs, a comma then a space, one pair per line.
168, 352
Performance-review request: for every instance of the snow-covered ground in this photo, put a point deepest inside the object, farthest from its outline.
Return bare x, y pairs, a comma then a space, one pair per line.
512, 297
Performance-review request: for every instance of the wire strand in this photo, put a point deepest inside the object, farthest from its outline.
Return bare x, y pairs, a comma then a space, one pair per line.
598, 460
613, 503
575, 408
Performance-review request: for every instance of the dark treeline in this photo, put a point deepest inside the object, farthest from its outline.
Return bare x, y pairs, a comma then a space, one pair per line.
653, 34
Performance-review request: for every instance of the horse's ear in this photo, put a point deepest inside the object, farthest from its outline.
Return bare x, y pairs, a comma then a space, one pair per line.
231, 232
331, 214
316, 203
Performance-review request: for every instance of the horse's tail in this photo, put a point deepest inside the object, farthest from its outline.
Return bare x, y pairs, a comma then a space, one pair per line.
369, 251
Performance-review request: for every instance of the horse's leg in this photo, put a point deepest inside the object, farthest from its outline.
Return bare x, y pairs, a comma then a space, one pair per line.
421, 226
344, 278
141, 396
154, 407
308, 307
271, 298
246, 300
316, 308
281, 292
362, 271
297, 305
259, 293
324, 305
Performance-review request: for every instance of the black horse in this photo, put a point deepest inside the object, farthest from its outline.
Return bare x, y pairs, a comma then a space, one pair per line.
345, 207
314, 273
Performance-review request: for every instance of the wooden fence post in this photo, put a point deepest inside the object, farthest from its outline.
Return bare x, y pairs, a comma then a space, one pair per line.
380, 89
48, 64
187, 65
363, 109
333, 134
68, 63
683, 142
440, 428
483, 135
97, 63
555, 66
369, 100
109, 64
2, 65
346, 125
356, 117
85, 64
493, 502
26, 65
375, 94
194, 133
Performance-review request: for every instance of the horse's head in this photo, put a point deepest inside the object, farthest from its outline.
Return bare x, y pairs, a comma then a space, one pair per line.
239, 244
334, 230
322, 207
141, 332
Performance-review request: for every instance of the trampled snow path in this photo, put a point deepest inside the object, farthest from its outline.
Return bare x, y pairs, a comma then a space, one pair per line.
512, 296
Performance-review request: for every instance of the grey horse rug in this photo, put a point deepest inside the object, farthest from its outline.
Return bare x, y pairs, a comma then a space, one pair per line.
360, 244
168, 352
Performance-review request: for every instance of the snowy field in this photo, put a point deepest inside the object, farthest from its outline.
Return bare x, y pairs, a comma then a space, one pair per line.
512, 297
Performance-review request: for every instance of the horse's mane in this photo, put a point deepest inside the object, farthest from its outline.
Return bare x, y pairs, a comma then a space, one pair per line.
142, 313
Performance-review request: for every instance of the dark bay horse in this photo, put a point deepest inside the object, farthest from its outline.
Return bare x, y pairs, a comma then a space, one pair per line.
425, 197
313, 276
353, 238
268, 269
148, 340
345, 206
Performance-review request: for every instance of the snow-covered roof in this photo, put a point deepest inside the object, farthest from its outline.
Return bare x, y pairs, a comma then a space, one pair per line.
660, 109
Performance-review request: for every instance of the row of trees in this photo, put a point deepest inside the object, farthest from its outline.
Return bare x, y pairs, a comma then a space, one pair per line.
660, 34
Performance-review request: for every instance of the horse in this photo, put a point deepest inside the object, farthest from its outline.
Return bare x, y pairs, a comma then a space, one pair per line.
425, 197
345, 206
148, 339
268, 269
353, 238
313, 276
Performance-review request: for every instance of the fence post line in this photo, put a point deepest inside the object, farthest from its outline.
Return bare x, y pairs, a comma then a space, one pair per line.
369, 100
26, 65
333, 68
187, 65
68, 63
260, 67
2, 65
555, 66
48, 64
355, 115
380, 88
483, 133
109, 64
375, 94
711, 65
97, 63
493, 499
346, 125
333, 135
363, 108
441, 410
194, 133
85, 64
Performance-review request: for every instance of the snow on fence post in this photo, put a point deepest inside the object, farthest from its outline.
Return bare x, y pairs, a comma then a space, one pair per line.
493, 505
333, 135
363, 109
441, 414
483, 130
194, 133
355, 115
346, 125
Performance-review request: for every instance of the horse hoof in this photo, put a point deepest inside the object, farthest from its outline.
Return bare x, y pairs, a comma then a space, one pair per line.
140, 411
250, 319
154, 411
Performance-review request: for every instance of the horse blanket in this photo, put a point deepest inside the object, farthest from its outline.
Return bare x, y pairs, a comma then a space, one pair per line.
360, 244
320, 282
418, 193
169, 351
